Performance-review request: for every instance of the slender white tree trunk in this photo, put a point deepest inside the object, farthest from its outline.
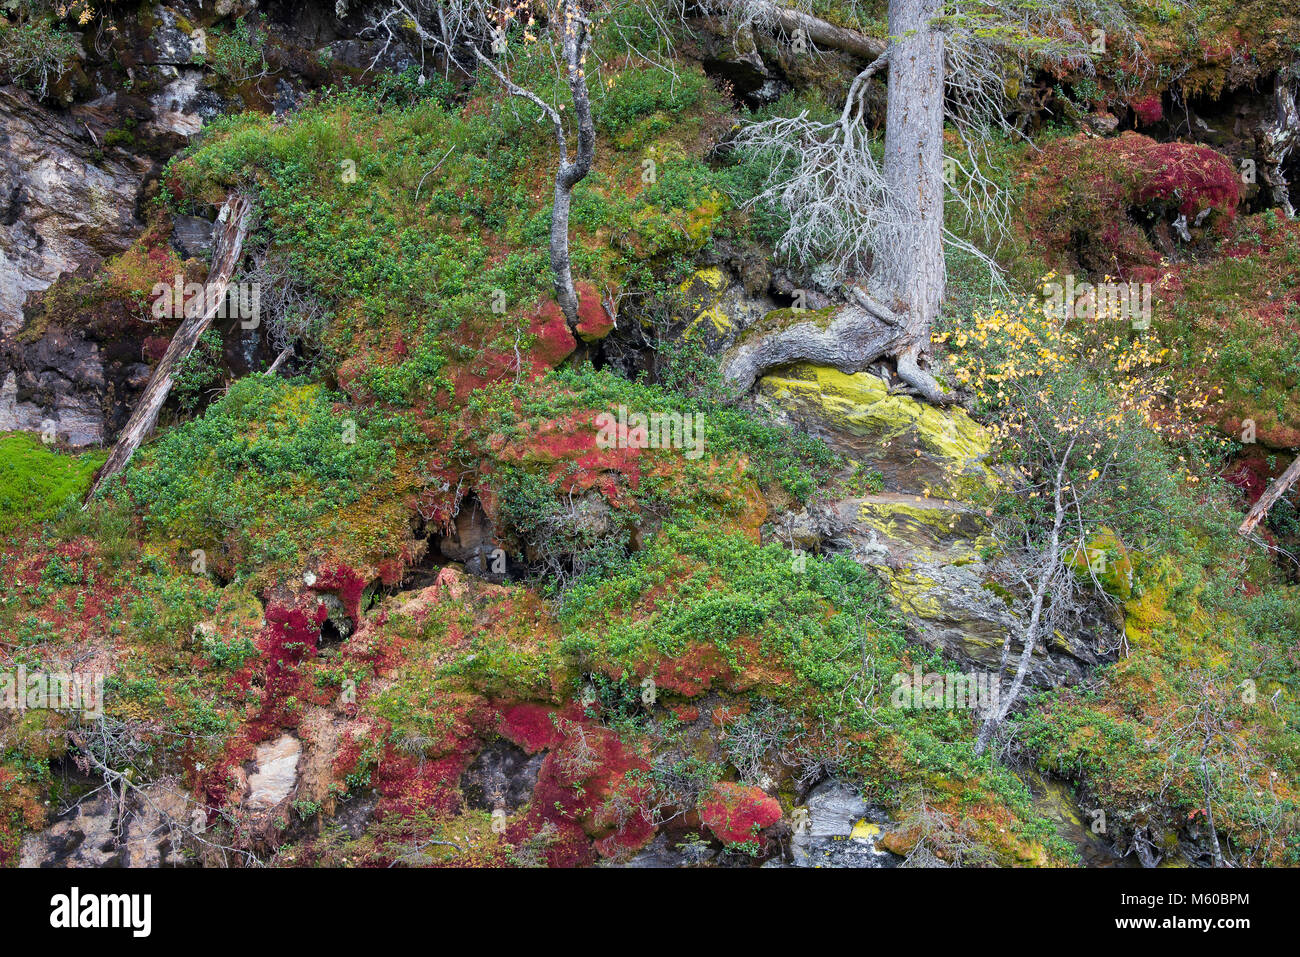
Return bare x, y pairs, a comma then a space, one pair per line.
1047, 570
572, 172
572, 30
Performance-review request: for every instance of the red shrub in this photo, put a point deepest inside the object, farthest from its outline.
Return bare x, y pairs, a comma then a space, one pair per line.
737, 812
1148, 110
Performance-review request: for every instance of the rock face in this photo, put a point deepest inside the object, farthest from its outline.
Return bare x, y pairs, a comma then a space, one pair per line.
75, 170
103, 833
920, 530
62, 206
275, 774
501, 776
837, 828
70, 201
67, 379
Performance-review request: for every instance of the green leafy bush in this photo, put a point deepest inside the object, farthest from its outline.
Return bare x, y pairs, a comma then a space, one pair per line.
199, 371
267, 465
35, 53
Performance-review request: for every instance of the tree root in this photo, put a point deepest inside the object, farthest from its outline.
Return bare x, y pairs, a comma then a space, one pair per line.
850, 342
922, 383
860, 335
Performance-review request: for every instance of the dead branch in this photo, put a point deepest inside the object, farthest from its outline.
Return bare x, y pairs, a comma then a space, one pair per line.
1271, 495
225, 257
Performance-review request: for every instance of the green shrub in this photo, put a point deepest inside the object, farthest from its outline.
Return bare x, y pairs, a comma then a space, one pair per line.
35, 53
199, 371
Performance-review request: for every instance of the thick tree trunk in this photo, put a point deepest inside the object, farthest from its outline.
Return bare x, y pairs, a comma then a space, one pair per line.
908, 274
907, 283
225, 257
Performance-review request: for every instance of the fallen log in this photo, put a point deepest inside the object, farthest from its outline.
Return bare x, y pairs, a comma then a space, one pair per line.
1271, 495
226, 251
787, 20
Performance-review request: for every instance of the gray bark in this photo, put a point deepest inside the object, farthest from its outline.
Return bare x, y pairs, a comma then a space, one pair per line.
909, 267
1047, 571
907, 281
857, 335
1209, 807
572, 172
280, 360
1271, 495
1283, 135
573, 31
818, 31
226, 253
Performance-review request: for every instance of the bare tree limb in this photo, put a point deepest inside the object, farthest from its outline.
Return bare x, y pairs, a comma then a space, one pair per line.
1271, 495
721, 17
226, 254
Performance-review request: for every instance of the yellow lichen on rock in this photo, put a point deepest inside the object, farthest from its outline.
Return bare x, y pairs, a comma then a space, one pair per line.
861, 405
923, 523
702, 294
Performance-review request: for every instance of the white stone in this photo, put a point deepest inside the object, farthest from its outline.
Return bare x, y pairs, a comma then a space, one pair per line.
276, 774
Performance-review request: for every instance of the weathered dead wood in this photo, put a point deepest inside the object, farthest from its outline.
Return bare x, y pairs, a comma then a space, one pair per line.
1271, 495
280, 360
226, 252
787, 20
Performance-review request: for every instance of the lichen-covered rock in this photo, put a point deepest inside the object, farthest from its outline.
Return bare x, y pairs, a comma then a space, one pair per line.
925, 531
835, 827
914, 446
715, 309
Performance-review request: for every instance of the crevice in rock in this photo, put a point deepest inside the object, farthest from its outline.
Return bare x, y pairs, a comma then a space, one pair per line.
502, 775
337, 626
422, 573
330, 635
471, 541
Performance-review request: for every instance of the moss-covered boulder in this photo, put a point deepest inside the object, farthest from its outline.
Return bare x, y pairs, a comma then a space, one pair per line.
925, 530
916, 447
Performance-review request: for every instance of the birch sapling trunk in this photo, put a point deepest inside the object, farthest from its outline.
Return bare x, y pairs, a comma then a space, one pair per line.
1047, 571
575, 41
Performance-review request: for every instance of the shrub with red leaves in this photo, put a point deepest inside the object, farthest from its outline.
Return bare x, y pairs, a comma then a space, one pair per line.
736, 813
